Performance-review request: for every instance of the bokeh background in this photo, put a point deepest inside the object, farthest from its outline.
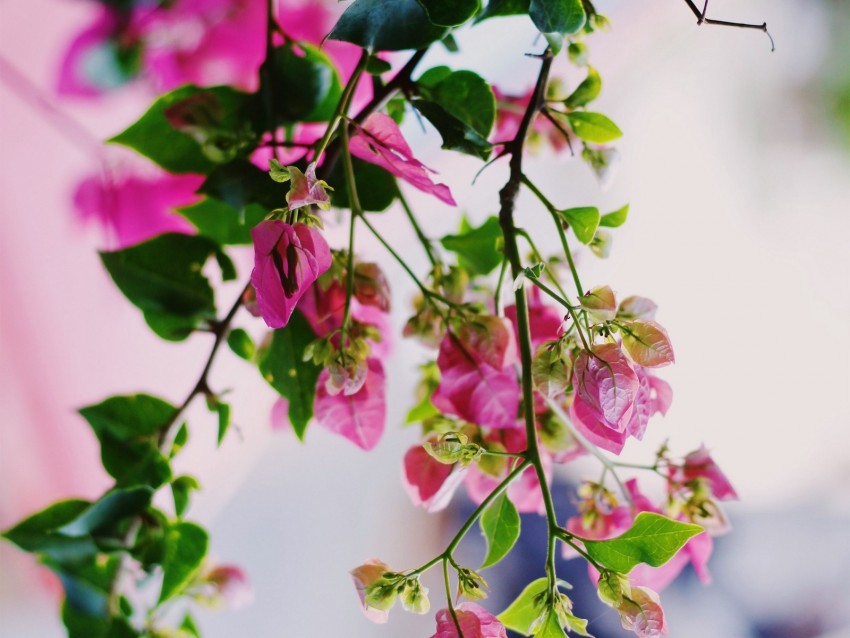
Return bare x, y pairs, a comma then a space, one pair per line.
736, 162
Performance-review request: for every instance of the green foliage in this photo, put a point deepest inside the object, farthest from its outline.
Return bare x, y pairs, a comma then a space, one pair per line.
282, 365
500, 524
240, 184
615, 218
112, 508
550, 627
162, 277
222, 222
306, 84
583, 220
558, 18
181, 488
450, 13
223, 411
456, 135
39, 532
376, 188
500, 8
177, 151
387, 25
128, 429
585, 92
527, 608
652, 539
186, 548
593, 127
476, 248
241, 344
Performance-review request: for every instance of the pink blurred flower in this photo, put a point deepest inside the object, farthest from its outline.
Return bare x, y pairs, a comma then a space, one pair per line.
358, 417
509, 112
287, 260
379, 141
474, 621
89, 66
474, 390
699, 464
133, 208
524, 492
365, 575
229, 586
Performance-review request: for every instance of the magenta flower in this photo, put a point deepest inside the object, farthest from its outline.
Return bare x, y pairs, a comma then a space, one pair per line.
133, 208
474, 390
358, 417
474, 621
379, 141
429, 483
699, 464
306, 189
287, 260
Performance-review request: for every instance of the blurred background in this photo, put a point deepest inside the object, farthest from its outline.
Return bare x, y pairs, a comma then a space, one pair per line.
736, 163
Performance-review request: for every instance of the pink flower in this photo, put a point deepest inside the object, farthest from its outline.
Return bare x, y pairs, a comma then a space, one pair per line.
367, 574
699, 464
614, 398
474, 390
641, 613
429, 483
132, 208
379, 141
287, 260
231, 586
89, 65
306, 189
358, 417
474, 621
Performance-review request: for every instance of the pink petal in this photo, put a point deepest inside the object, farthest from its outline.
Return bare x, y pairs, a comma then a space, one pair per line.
607, 382
363, 576
644, 615
359, 417
380, 142
429, 483
474, 621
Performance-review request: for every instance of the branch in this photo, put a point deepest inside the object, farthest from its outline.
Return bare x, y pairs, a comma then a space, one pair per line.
701, 19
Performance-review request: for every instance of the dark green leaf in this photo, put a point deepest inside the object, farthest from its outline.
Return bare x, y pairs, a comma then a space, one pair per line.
180, 439
377, 66
181, 488
387, 25
450, 13
163, 278
466, 96
223, 222
188, 625
177, 152
306, 83
456, 135
282, 365
225, 263
585, 92
241, 344
558, 17
593, 127
500, 525
186, 547
583, 220
376, 188
239, 184
616, 218
38, 532
476, 247
652, 539
223, 410
109, 510
497, 8
528, 607
433, 76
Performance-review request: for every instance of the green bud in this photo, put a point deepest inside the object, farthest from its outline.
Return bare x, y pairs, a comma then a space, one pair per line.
382, 593
470, 585
414, 597
613, 586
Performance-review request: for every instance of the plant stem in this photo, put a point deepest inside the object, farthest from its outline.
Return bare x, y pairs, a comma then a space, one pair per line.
449, 602
354, 203
342, 106
423, 239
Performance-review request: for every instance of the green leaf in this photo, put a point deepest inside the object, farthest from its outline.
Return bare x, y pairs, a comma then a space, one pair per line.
387, 25
585, 92
500, 524
652, 539
527, 607
456, 135
615, 218
282, 365
476, 248
87, 584
188, 625
241, 344
306, 83
551, 627
647, 343
223, 410
128, 430
593, 127
223, 222
500, 8
377, 66
37, 533
186, 547
450, 13
376, 187
181, 488
557, 17
584, 221
175, 151
110, 509
466, 96
162, 277
239, 184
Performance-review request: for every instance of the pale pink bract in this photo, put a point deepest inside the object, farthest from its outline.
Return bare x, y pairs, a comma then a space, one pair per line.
363, 576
